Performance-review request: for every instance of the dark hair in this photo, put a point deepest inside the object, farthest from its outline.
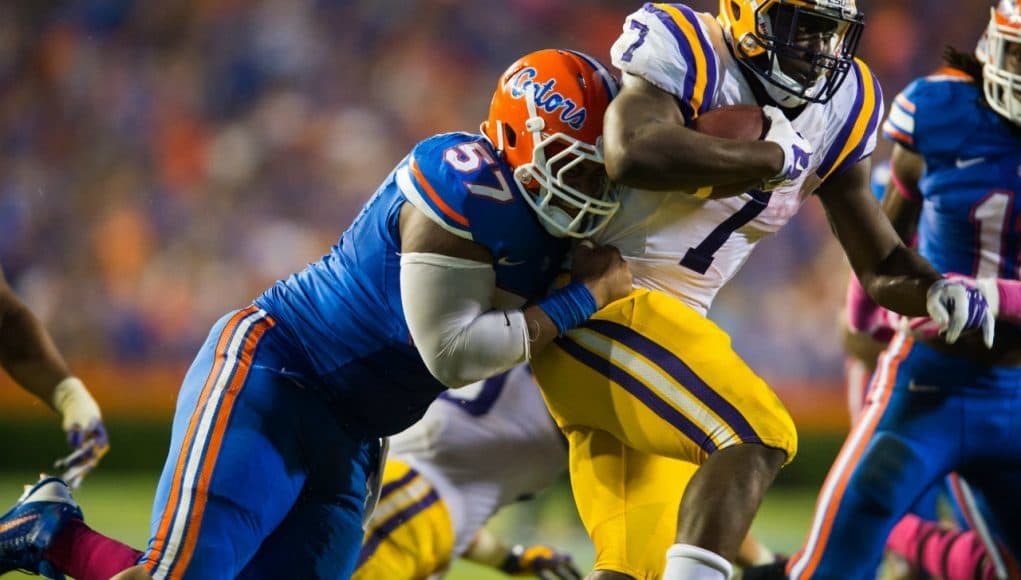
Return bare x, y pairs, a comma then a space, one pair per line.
965, 62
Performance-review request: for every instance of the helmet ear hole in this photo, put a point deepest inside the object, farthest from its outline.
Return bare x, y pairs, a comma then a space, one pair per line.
736, 8
509, 136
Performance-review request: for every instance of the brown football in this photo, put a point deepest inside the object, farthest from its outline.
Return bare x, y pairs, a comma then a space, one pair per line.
743, 122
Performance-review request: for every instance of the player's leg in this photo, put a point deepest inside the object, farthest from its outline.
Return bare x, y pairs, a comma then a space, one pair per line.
627, 500
903, 442
664, 380
409, 536
994, 472
206, 408
237, 463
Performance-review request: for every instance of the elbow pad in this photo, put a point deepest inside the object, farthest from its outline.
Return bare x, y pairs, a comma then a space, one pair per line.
448, 305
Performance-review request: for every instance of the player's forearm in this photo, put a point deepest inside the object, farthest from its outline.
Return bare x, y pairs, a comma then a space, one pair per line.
28, 353
669, 157
901, 282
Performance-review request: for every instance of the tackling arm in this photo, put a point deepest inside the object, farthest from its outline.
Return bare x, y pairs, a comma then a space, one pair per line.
447, 287
646, 145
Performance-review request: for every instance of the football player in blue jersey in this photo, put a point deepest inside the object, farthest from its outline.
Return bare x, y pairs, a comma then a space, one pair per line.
926, 539
440, 281
29, 356
934, 408
652, 376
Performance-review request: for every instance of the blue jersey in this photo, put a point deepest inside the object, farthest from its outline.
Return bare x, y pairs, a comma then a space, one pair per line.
343, 314
969, 220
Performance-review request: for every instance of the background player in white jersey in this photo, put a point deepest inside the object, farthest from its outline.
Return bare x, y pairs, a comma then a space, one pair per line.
476, 450
28, 354
659, 378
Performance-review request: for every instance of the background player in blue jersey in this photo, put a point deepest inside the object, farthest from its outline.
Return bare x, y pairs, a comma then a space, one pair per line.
944, 545
28, 354
934, 408
279, 418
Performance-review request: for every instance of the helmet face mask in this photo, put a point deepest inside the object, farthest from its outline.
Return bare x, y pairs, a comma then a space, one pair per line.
1000, 54
546, 122
802, 50
567, 185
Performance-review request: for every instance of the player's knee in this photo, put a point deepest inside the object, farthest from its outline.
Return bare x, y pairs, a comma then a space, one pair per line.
776, 436
885, 472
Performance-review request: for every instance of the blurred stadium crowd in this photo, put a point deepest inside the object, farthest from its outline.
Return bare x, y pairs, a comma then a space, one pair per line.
163, 162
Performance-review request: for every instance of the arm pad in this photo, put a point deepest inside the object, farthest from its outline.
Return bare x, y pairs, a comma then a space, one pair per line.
448, 304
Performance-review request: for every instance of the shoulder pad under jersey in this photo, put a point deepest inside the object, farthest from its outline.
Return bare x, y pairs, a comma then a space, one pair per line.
853, 116
927, 116
669, 46
458, 180
445, 176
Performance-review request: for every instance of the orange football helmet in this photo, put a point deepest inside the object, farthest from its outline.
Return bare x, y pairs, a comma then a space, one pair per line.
546, 121
1000, 54
802, 49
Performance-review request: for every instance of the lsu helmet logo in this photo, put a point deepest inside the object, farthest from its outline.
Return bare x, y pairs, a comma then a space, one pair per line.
547, 97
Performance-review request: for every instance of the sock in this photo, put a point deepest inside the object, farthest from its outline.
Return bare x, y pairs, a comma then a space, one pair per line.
687, 562
80, 552
949, 554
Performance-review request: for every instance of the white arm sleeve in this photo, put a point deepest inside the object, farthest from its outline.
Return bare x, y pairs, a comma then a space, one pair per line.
448, 304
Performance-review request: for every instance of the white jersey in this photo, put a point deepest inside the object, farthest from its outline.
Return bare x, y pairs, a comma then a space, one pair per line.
688, 247
484, 446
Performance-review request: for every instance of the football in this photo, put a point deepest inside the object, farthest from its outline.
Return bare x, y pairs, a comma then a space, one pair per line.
743, 122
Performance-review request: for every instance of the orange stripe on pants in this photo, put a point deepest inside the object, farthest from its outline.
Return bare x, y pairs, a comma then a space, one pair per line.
852, 450
216, 439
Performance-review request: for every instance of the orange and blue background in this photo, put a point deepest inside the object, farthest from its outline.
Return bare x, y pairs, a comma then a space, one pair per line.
161, 163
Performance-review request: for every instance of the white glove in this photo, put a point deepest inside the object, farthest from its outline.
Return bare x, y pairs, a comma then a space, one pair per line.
796, 149
83, 424
955, 307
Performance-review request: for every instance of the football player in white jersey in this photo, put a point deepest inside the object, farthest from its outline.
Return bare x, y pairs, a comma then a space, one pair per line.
476, 450
650, 376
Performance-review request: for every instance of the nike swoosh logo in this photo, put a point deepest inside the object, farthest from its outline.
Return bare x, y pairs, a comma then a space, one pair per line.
963, 163
915, 387
507, 262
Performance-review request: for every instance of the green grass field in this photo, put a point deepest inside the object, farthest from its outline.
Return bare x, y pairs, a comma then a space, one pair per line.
118, 504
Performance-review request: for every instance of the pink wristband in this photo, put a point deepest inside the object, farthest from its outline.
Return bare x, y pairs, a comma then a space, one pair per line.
1010, 300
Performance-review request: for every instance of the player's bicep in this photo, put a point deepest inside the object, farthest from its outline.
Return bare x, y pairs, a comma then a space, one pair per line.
639, 104
902, 200
857, 219
421, 234
633, 118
